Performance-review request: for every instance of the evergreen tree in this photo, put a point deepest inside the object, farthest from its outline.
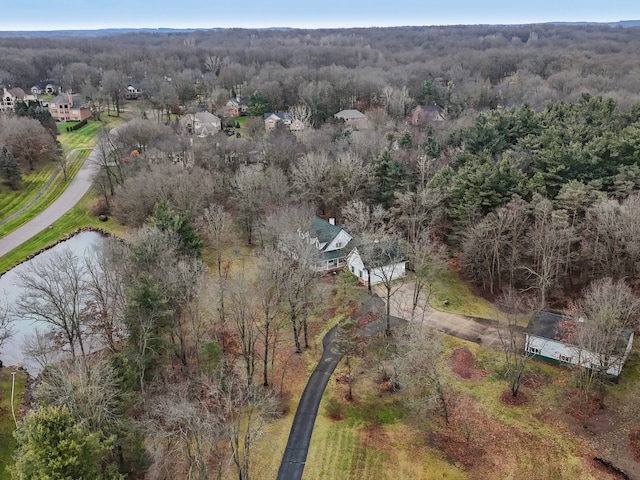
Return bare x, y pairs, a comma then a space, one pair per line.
9, 168
168, 220
389, 176
52, 445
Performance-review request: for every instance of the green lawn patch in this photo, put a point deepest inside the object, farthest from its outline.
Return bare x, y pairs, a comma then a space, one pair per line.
449, 287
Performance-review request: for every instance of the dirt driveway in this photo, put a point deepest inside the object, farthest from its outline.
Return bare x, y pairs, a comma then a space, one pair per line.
478, 330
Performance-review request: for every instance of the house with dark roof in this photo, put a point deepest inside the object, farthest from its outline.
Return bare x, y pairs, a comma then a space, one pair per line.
237, 106
46, 87
379, 261
353, 118
271, 119
331, 241
133, 90
548, 337
68, 107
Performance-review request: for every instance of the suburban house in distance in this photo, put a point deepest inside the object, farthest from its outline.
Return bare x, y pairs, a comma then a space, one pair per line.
11, 96
272, 119
236, 106
46, 87
331, 241
545, 338
428, 115
133, 91
201, 124
353, 118
377, 262
68, 107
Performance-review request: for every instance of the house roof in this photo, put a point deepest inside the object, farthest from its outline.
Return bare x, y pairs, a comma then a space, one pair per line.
433, 112
323, 230
379, 252
206, 117
17, 93
73, 100
547, 324
350, 114
238, 101
281, 115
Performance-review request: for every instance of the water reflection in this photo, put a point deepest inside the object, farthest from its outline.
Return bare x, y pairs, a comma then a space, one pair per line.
11, 353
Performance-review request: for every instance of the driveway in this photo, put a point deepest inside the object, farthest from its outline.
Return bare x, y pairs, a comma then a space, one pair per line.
80, 184
295, 453
478, 330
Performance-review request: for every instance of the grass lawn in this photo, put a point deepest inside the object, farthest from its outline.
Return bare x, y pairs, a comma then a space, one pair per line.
7, 426
447, 285
76, 218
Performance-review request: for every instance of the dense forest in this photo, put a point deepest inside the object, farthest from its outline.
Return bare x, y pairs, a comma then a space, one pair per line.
528, 182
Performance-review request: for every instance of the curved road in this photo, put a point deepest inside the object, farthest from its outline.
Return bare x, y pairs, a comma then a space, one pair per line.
295, 453
72, 195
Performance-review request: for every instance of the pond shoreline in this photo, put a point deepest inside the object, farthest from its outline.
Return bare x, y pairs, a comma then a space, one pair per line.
68, 236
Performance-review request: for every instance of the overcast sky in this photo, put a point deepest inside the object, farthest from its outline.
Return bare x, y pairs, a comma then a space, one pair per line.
91, 14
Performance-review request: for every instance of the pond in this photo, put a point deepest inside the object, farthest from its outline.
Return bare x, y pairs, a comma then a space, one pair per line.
11, 351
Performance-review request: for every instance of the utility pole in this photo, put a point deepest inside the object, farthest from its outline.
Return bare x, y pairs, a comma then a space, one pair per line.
13, 387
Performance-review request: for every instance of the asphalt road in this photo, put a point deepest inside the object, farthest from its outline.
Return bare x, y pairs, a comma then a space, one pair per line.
295, 453
72, 195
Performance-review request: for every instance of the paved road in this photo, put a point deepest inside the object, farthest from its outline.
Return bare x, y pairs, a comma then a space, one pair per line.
295, 453
74, 192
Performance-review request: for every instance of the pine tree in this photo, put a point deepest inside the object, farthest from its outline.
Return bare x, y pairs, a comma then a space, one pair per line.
9, 168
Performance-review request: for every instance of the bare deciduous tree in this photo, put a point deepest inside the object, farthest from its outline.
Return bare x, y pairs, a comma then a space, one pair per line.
27, 140
516, 356
602, 321
421, 370
54, 291
5, 322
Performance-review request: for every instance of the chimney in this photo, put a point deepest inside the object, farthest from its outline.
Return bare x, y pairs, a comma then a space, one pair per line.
332, 221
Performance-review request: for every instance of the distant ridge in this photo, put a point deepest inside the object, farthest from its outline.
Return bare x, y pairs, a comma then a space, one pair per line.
104, 32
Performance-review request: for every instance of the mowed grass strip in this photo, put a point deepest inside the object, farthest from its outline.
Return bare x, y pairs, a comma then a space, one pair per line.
76, 218
12, 201
7, 426
48, 196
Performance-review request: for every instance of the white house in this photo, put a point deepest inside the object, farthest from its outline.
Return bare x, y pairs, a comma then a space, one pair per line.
331, 241
377, 262
546, 337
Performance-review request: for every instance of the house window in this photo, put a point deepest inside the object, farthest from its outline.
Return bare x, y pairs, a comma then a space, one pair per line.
565, 358
360, 274
338, 244
534, 350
